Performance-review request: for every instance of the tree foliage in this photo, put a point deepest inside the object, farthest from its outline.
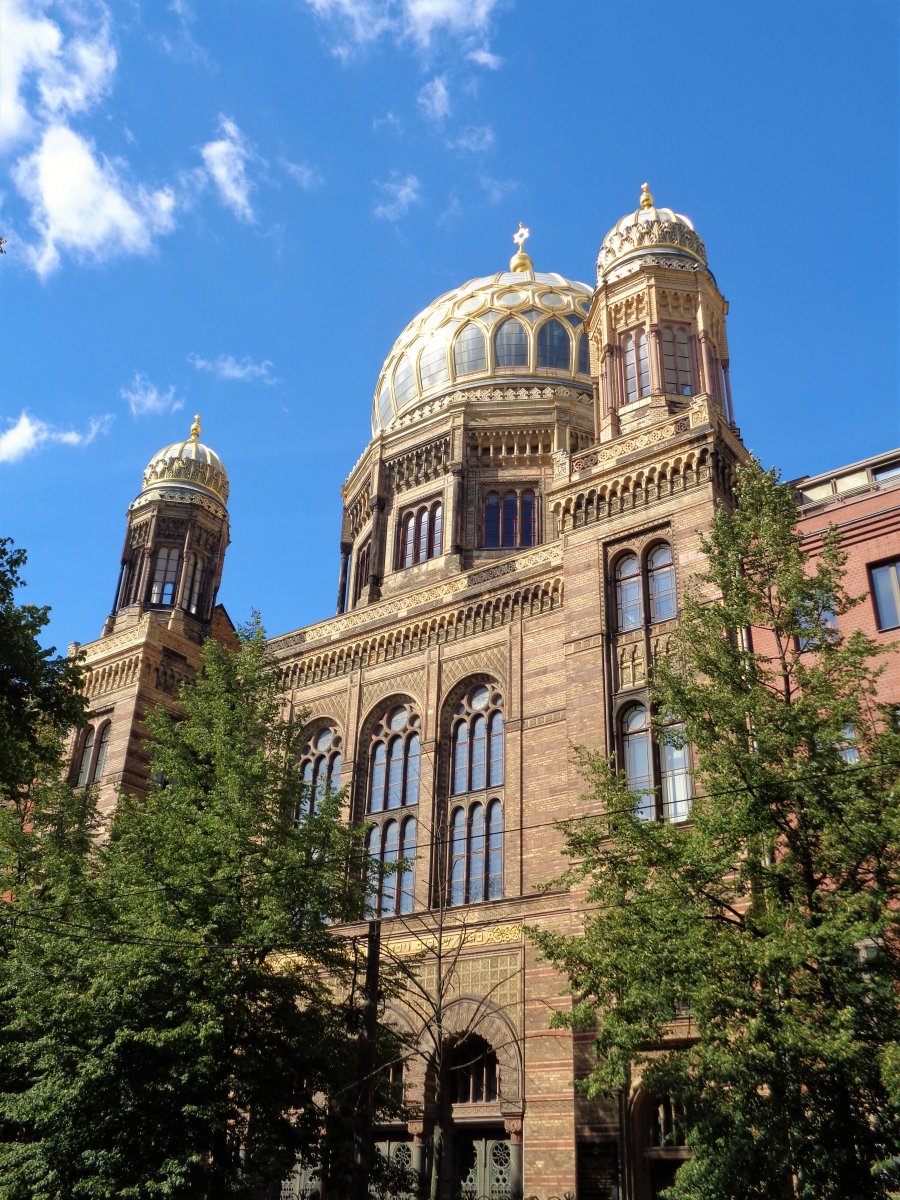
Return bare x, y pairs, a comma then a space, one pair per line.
172, 1012
771, 916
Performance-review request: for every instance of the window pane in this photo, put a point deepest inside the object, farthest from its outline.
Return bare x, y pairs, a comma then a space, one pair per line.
334, 779
638, 765
404, 383
437, 529
643, 365
461, 758
411, 790
373, 846
495, 850
495, 754
511, 344
849, 753
458, 857
554, 348
163, 591
509, 528
492, 520
886, 588
476, 854
676, 782
584, 355
391, 836
423, 536
628, 593
479, 753
663, 604
630, 370
479, 698
684, 363
409, 540
528, 534
376, 789
433, 367
669, 367
395, 773
469, 351
408, 870
306, 778
85, 764
101, 752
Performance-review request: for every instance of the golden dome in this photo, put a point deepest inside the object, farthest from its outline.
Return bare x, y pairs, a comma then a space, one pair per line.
189, 465
516, 325
649, 230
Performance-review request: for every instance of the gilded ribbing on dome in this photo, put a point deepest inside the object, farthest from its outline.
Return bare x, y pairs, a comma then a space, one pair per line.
187, 465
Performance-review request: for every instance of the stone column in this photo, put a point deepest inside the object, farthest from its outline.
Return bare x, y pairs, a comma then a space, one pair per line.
456, 514
514, 1132
342, 578
728, 401
417, 1133
656, 373
709, 369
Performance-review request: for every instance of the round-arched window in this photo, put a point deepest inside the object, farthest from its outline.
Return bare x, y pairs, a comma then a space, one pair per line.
554, 347
469, 350
511, 344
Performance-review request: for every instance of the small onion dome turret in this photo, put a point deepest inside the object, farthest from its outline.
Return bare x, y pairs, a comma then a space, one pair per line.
647, 231
187, 465
518, 325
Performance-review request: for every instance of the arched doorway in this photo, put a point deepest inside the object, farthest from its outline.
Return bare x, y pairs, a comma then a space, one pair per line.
659, 1142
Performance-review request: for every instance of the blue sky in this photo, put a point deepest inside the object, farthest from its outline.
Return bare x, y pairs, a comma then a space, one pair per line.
233, 207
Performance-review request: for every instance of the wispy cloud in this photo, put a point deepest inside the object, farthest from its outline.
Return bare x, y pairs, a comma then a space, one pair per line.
226, 159
389, 121
353, 25
398, 193
28, 434
485, 58
496, 190
183, 47
434, 99
474, 140
80, 202
144, 397
308, 177
226, 366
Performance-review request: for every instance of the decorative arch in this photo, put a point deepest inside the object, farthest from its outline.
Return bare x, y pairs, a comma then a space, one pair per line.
473, 1015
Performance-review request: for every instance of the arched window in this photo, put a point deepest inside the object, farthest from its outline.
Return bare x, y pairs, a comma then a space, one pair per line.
404, 382
87, 754
511, 344
629, 600
320, 768
475, 867
385, 408
195, 573
102, 750
393, 789
510, 520
661, 584
361, 570
165, 574
658, 773
469, 350
554, 347
421, 534
472, 1072
677, 360
636, 363
433, 367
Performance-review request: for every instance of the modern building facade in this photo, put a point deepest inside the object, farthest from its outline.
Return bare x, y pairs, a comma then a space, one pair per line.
545, 455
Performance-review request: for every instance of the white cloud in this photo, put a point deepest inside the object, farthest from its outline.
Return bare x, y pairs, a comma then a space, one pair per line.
80, 203
183, 47
398, 194
144, 397
485, 58
68, 76
389, 121
475, 139
28, 434
309, 178
226, 161
496, 190
357, 23
434, 99
226, 366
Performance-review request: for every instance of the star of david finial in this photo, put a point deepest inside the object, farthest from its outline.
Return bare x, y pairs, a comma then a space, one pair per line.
520, 260
521, 236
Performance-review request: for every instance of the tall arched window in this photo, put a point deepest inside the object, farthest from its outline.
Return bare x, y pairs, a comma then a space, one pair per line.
87, 755
554, 346
629, 588
475, 866
584, 355
404, 382
677, 360
433, 366
194, 579
636, 366
165, 574
361, 569
393, 790
320, 768
510, 519
658, 773
511, 344
661, 583
102, 751
421, 534
469, 350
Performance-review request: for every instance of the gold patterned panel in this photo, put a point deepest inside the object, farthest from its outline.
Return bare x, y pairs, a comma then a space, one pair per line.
496, 977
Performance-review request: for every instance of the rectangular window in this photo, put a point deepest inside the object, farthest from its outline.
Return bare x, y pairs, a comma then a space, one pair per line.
886, 594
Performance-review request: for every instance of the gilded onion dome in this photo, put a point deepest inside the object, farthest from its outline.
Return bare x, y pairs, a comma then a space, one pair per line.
519, 324
187, 465
649, 231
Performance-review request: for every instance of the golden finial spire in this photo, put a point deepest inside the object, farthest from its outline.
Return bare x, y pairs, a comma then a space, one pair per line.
646, 198
195, 428
520, 260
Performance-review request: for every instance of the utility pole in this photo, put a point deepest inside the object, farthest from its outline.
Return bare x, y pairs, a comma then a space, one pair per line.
365, 1094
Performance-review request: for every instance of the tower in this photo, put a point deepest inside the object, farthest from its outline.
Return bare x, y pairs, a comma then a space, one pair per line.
163, 610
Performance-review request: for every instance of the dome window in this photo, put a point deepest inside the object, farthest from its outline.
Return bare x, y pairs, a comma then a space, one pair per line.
385, 408
404, 383
554, 346
584, 355
469, 351
433, 367
511, 344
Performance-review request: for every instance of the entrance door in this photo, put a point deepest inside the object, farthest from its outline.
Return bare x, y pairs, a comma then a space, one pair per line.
481, 1166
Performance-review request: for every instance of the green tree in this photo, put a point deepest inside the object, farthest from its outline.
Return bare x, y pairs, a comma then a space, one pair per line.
176, 1015
771, 915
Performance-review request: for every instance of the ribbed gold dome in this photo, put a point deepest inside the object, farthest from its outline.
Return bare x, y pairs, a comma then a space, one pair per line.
649, 230
188, 464
517, 325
